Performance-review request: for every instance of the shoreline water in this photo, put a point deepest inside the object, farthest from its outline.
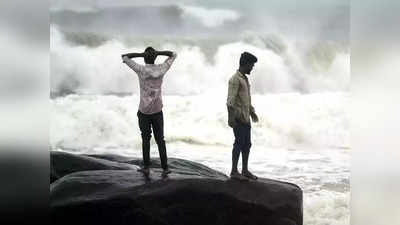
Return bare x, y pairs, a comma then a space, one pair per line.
322, 174
292, 142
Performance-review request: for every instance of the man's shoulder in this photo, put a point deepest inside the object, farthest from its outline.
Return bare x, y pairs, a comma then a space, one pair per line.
235, 77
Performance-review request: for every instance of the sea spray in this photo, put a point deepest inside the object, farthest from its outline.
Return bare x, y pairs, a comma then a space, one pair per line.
286, 120
99, 70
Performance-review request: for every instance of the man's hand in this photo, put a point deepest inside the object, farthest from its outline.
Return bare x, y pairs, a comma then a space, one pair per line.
232, 121
254, 117
231, 117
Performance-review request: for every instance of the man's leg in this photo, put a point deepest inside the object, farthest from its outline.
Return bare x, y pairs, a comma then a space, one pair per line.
158, 128
246, 153
246, 147
145, 128
237, 148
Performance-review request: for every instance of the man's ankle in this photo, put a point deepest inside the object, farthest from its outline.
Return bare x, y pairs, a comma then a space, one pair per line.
234, 171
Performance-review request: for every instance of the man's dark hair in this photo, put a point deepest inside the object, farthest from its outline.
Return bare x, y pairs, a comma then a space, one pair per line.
148, 49
150, 55
247, 58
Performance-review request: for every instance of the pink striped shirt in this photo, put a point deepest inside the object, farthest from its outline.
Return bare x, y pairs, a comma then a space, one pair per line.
150, 81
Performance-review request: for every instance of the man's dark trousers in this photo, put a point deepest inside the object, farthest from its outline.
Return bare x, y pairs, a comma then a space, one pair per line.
155, 121
242, 132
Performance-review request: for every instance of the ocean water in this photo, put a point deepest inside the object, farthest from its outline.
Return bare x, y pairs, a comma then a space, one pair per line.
300, 86
300, 138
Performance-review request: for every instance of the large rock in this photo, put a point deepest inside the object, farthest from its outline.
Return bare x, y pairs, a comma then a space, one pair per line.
63, 163
177, 165
189, 196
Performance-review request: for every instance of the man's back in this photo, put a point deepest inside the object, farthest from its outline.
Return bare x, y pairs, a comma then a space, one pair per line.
150, 82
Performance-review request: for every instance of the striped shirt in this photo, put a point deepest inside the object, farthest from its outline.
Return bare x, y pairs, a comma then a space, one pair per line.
150, 81
239, 98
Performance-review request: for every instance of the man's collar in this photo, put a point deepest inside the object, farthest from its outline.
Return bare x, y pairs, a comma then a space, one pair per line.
241, 74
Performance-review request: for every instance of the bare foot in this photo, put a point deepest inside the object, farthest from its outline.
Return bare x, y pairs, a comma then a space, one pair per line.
145, 171
249, 175
165, 172
238, 176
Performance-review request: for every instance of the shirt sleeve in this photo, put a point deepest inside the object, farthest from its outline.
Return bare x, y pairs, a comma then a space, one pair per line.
133, 65
232, 91
252, 110
168, 62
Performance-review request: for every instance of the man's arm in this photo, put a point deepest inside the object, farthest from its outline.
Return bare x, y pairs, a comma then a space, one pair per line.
133, 55
232, 95
165, 53
126, 58
168, 62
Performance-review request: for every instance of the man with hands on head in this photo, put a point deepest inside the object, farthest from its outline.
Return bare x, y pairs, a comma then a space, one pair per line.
240, 110
150, 113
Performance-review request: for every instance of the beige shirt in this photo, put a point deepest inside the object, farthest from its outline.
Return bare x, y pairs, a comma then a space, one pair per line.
150, 81
239, 98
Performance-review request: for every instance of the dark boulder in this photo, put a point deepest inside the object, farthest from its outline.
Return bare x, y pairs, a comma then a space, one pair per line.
174, 164
63, 163
191, 195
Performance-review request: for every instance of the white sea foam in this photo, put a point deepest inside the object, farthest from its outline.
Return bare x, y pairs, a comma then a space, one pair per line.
286, 120
283, 68
327, 208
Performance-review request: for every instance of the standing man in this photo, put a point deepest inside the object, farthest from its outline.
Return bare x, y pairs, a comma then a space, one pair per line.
150, 113
239, 112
